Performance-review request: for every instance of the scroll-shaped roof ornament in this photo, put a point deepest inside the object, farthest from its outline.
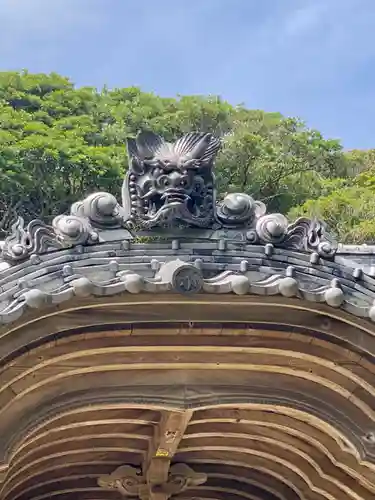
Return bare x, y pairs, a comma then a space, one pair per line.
169, 188
130, 482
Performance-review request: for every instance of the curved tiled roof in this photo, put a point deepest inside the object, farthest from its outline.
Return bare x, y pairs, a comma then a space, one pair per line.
269, 365
227, 363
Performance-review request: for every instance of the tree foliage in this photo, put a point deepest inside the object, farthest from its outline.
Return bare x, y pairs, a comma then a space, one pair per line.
59, 143
347, 205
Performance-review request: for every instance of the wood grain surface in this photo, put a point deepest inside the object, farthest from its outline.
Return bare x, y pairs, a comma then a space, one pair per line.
271, 398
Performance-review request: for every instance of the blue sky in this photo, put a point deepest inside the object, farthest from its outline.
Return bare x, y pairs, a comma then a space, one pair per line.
309, 58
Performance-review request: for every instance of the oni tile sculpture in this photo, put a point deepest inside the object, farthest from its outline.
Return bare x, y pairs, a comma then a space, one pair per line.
168, 187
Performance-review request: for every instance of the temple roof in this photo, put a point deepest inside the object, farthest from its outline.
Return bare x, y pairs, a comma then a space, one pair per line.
173, 345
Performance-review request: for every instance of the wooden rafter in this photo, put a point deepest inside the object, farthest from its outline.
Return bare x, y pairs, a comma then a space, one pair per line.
167, 436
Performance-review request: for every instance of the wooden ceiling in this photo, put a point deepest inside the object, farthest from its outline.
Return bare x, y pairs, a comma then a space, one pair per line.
265, 398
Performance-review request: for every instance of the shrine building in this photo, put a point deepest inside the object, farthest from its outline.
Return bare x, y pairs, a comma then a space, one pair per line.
173, 345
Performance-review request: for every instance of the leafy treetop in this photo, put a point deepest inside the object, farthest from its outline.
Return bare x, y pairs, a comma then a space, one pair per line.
58, 143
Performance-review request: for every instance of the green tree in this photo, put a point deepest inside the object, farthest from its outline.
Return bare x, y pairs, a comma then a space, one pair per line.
278, 160
58, 143
349, 211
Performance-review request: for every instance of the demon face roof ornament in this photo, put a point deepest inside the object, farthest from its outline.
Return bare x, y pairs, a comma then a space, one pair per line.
169, 188
169, 184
